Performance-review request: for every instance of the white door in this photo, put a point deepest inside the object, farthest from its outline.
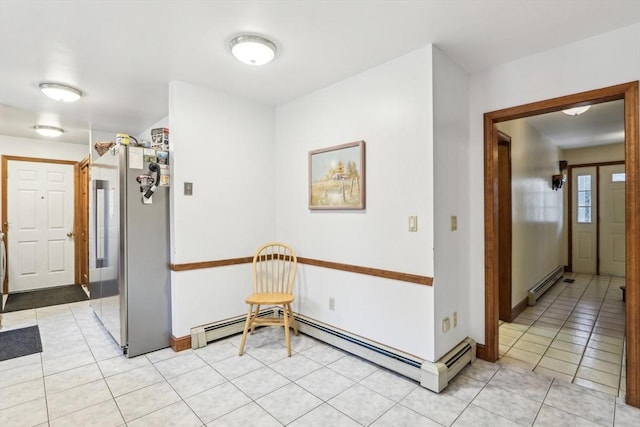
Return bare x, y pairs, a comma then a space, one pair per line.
584, 221
40, 209
612, 225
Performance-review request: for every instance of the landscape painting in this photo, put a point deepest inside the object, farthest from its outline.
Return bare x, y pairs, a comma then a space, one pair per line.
336, 177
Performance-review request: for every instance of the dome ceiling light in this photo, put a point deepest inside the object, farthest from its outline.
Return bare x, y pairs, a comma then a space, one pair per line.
60, 92
576, 111
253, 50
49, 131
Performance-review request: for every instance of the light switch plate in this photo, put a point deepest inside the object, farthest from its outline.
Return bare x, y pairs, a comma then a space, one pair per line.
188, 188
413, 223
454, 223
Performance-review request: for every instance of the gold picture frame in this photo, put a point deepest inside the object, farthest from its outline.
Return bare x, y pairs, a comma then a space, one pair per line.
337, 177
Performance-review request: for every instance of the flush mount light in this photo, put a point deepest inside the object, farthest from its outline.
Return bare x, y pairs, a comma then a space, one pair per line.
253, 50
576, 111
60, 92
50, 131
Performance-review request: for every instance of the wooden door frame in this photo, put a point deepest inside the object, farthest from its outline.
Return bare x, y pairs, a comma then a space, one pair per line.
505, 305
81, 210
76, 189
570, 210
629, 93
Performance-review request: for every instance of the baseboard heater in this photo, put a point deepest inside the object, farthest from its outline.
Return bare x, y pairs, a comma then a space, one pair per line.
201, 335
544, 284
432, 375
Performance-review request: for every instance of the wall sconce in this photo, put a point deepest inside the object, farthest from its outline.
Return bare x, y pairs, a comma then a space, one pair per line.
559, 179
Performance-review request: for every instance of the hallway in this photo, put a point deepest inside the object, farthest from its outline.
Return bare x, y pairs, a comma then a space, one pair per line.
81, 378
574, 333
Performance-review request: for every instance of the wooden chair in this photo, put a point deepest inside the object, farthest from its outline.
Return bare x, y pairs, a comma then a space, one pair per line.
274, 274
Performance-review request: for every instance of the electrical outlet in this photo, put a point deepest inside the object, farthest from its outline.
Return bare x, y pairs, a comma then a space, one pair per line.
446, 325
332, 304
455, 319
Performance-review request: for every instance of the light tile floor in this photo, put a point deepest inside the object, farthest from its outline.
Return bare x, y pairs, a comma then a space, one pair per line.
81, 379
574, 333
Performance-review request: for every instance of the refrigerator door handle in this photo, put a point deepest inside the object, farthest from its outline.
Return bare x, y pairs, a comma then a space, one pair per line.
100, 222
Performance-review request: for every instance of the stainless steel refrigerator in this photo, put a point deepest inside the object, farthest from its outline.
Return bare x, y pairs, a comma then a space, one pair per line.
129, 278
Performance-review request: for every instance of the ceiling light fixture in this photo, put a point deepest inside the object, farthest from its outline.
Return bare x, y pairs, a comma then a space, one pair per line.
253, 50
50, 131
60, 92
576, 111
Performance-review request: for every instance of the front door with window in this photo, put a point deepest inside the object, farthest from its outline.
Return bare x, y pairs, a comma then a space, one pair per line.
598, 219
584, 226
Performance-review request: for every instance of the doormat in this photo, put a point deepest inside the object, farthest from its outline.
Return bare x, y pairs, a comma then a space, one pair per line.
44, 298
569, 280
20, 342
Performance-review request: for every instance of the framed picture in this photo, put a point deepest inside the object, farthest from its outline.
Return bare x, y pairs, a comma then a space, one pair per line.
337, 178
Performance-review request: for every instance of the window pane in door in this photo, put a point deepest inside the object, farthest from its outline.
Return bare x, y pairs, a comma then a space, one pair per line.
584, 182
584, 215
618, 177
584, 199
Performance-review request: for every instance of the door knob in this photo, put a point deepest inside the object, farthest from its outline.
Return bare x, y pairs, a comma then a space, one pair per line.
70, 234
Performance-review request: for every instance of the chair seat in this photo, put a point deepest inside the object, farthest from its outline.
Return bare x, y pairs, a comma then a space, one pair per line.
270, 298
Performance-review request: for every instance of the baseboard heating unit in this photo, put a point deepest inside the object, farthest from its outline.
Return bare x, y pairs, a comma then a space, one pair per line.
201, 335
544, 284
432, 375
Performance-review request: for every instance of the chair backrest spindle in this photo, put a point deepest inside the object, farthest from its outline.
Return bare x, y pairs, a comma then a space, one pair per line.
274, 269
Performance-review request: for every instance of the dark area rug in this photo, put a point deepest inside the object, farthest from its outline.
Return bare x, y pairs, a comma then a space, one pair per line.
44, 298
20, 342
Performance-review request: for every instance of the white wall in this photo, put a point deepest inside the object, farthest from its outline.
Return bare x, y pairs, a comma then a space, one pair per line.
146, 134
538, 244
601, 153
223, 145
389, 107
593, 63
451, 171
39, 148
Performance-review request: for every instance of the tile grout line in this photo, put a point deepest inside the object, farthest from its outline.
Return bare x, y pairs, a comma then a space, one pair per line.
572, 312
478, 394
589, 339
174, 390
543, 400
103, 378
538, 318
573, 309
44, 385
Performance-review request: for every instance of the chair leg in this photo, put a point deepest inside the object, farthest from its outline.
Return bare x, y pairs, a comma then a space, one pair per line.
293, 320
255, 316
246, 329
286, 328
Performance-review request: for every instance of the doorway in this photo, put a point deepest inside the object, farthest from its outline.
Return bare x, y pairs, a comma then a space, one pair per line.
629, 93
597, 219
38, 217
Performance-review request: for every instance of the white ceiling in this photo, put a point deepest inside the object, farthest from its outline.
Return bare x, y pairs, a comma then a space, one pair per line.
600, 125
124, 54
